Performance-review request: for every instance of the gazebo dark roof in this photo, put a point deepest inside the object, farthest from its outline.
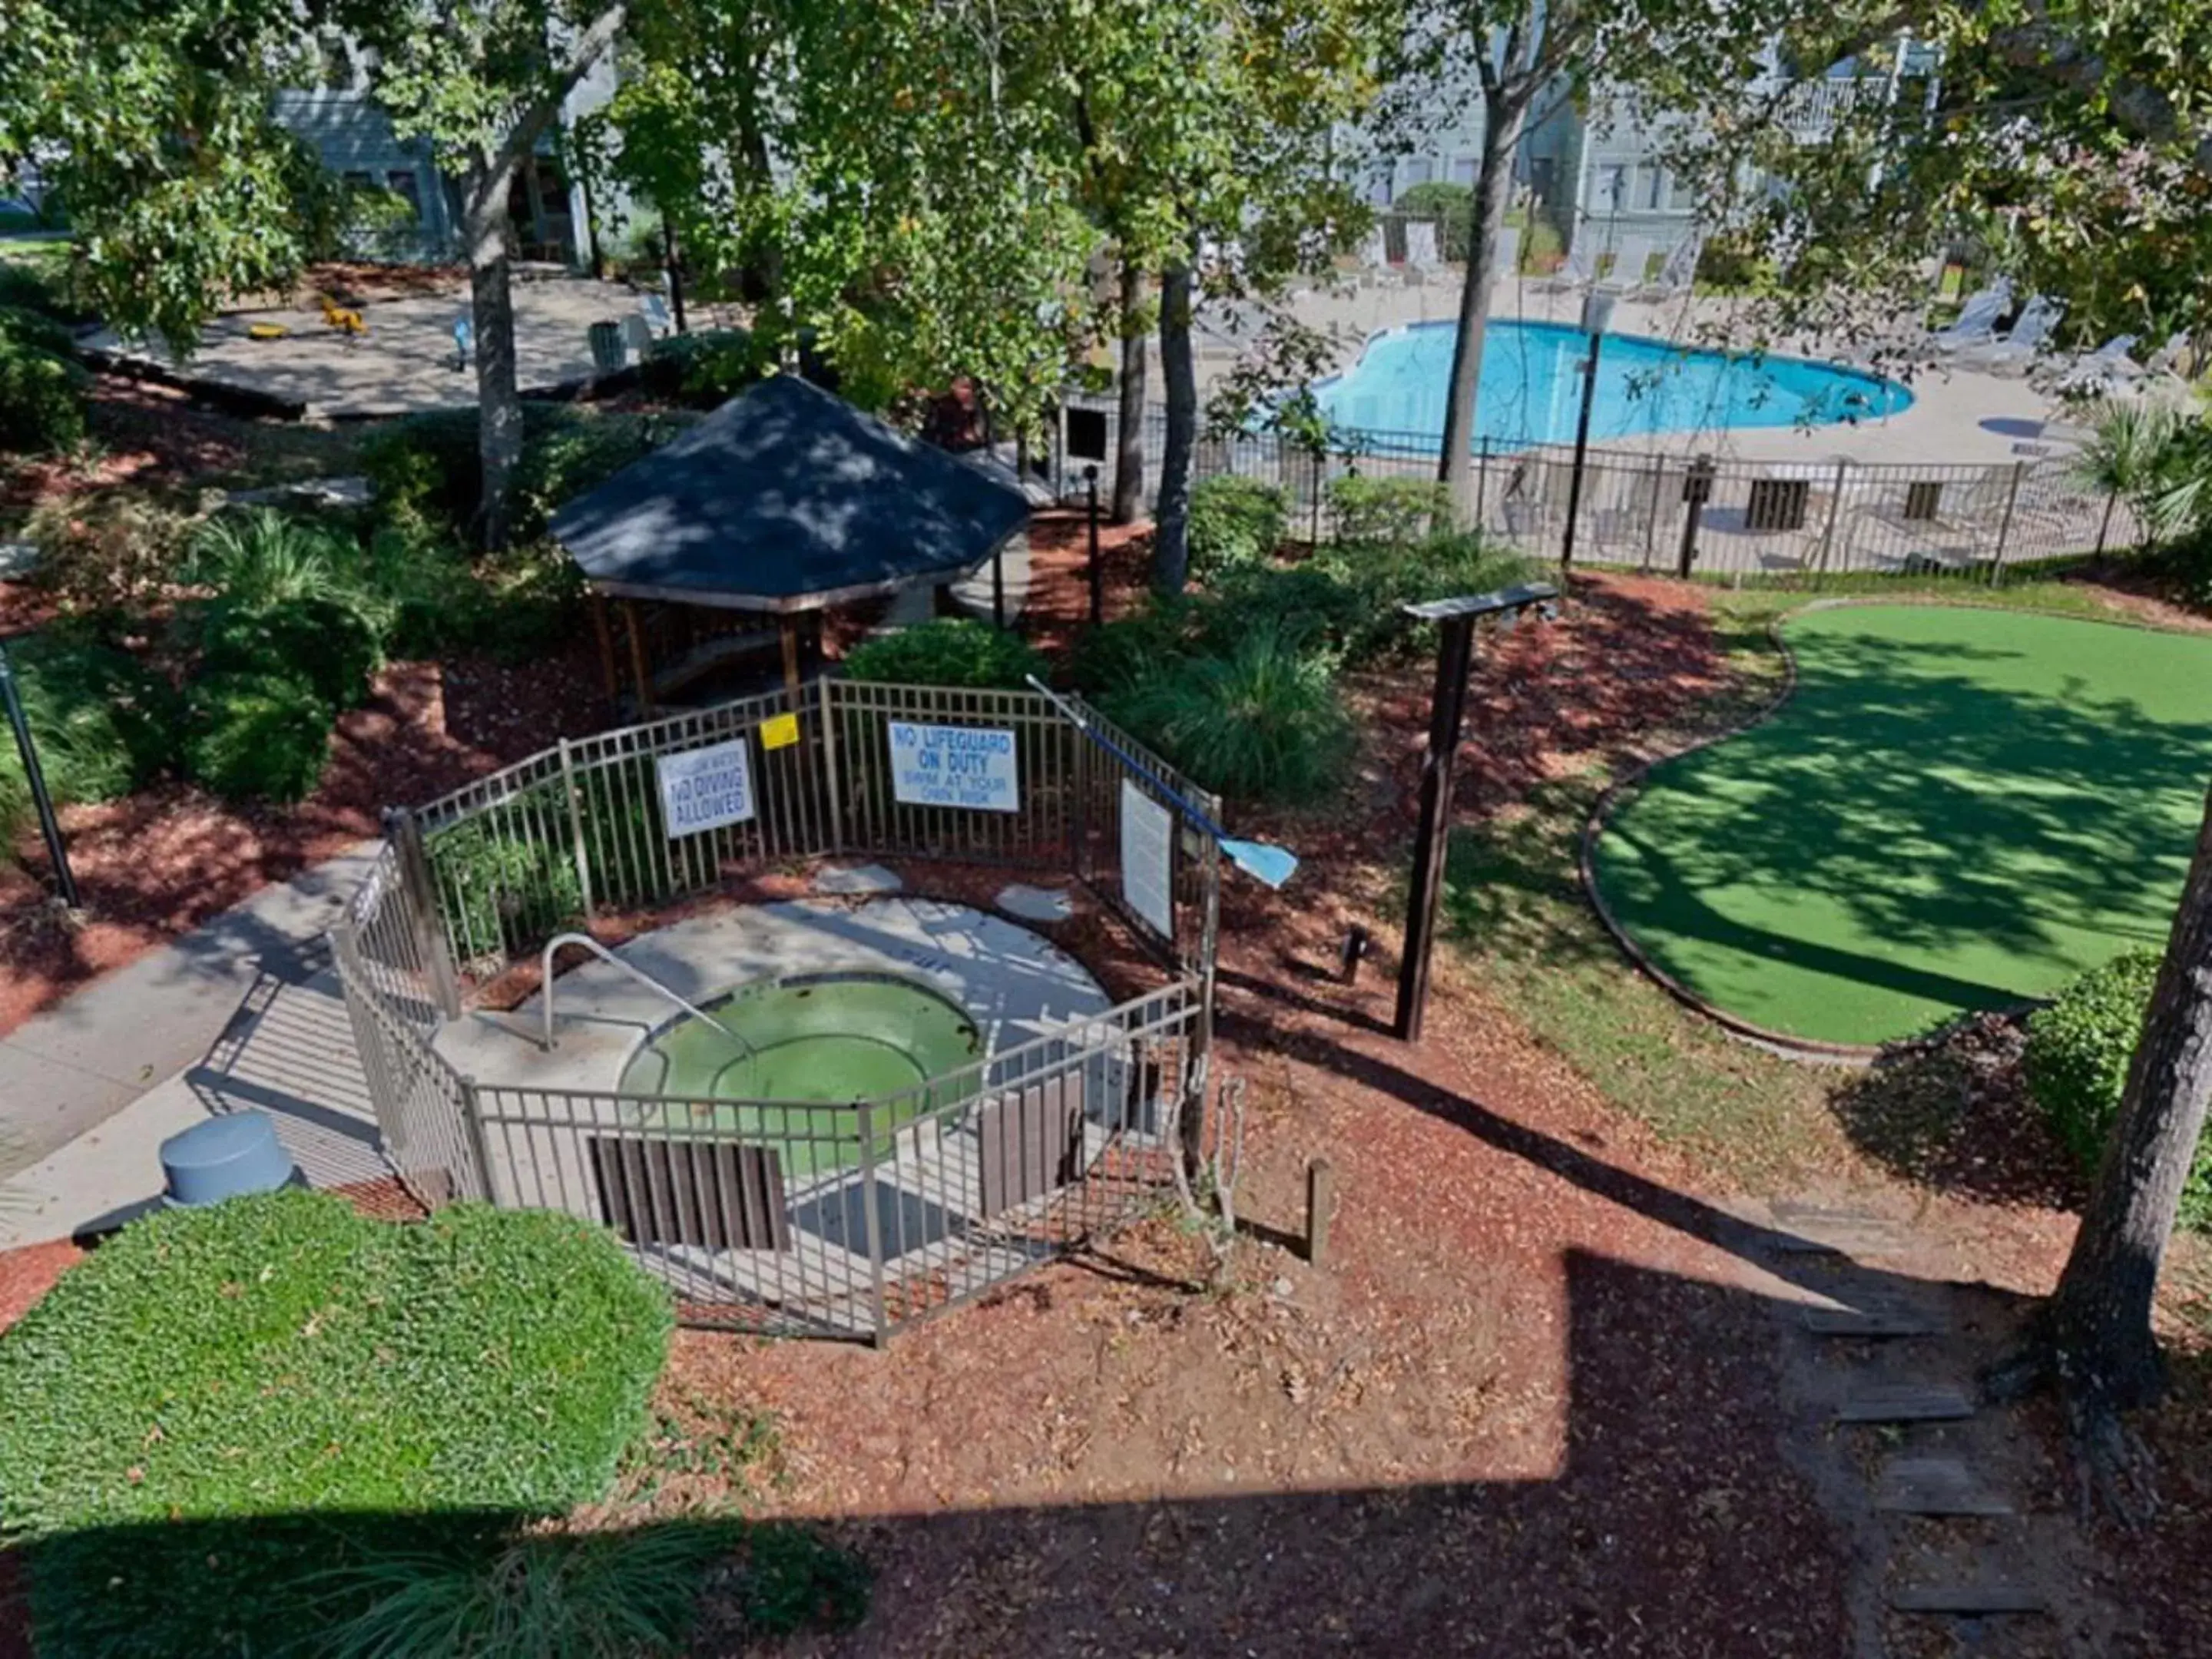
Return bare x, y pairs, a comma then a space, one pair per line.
787, 498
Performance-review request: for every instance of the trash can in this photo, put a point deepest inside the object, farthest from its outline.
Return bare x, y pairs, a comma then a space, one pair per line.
224, 1157
608, 349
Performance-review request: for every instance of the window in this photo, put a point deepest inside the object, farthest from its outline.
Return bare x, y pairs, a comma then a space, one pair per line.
400, 181
1612, 187
356, 180
1655, 180
1419, 171
1681, 198
1378, 187
1463, 170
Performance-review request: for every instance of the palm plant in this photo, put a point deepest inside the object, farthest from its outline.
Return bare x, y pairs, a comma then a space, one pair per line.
2158, 459
258, 560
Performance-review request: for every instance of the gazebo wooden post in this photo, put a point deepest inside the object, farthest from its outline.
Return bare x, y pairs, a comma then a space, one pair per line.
606, 633
644, 681
787, 626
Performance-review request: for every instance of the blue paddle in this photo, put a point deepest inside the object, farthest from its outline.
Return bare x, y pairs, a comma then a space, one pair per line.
1262, 860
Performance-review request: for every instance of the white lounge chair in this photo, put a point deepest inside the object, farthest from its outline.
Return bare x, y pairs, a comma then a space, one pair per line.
655, 310
1978, 318
2166, 359
1508, 254
1576, 272
1678, 273
1375, 252
1421, 246
2100, 372
2030, 334
1630, 261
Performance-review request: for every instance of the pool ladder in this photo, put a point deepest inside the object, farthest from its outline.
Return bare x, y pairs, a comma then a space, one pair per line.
545, 979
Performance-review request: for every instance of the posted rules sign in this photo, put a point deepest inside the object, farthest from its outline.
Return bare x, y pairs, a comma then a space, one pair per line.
970, 765
703, 789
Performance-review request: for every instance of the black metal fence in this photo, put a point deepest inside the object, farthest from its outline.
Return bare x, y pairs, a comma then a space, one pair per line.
1685, 513
785, 1217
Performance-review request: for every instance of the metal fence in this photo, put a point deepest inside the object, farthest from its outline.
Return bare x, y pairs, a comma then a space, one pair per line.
1790, 522
778, 1216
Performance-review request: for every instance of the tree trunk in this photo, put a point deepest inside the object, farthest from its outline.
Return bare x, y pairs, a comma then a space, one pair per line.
499, 410
1130, 448
1493, 187
1171, 517
2097, 1329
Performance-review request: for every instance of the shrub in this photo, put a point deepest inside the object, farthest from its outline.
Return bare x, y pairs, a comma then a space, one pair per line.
1386, 511
108, 553
1386, 579
506, 884
425, 473
219, 1409
327, 644
256, 736
41, 389
1114, 656
950, 650
102, 722
1262, 722
2078, 1053
1234, 522
705, 368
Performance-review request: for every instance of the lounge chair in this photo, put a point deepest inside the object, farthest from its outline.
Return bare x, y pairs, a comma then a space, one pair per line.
2100, 372
1575, 273
1421, 246
2029, 336
2167, 359
655, 310
1978, 318
1629, 263
1678, 273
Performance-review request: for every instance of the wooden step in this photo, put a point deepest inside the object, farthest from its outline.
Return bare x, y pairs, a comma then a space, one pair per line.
1904, 1402
1817, 1229
1870, 1318
1935, 1485
1968, 1601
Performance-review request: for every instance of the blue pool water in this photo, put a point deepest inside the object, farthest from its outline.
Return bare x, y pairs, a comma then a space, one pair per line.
1532, 387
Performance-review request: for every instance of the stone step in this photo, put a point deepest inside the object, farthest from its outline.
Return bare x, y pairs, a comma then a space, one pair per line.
1935, 1485
1904, 1402
1968, 1601
1819, 1230
1871, 1317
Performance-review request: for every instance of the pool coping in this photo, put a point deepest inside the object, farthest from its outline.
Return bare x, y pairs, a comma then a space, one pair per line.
1625, 784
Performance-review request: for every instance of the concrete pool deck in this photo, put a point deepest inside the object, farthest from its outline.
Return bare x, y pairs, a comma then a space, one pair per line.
1015, 984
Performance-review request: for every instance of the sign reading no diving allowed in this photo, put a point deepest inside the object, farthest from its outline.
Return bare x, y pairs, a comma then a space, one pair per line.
708, 789
970, 765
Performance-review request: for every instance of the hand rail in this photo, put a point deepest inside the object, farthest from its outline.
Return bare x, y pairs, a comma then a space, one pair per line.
545, 979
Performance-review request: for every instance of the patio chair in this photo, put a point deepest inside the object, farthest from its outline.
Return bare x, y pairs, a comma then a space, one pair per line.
2030, 334
1678, 273
1630, 261
2101, 373
1939, 524
655, 310
1978, 318
1421, 246
1574, 273
2167, 359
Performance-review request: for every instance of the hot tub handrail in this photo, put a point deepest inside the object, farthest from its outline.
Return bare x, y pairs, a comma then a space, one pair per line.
546, 978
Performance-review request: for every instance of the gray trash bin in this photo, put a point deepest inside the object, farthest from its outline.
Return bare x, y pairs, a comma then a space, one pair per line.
224, 1157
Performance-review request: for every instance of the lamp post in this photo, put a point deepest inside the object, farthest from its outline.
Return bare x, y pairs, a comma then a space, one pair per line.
1455, 620
40, 800
1097, 575
1597, 312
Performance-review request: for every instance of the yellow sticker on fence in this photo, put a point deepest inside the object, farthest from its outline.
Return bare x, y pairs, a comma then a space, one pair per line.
779, 730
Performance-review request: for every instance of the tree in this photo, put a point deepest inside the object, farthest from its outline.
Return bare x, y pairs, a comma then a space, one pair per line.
2094, 1337
185, 193
483, 82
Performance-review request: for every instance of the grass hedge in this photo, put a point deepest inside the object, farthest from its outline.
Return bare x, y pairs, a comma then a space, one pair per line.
1235, 523
220, 1409
949, 651
257, 736
103, 723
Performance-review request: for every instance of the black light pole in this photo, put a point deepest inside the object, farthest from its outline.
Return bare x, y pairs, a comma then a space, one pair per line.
63, 879
1455, 620
1097, 575
1597, 312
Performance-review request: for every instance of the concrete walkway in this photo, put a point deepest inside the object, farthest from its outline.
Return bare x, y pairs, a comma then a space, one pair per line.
243, 1010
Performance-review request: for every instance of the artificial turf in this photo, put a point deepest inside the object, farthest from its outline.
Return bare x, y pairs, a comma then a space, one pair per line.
1958, 809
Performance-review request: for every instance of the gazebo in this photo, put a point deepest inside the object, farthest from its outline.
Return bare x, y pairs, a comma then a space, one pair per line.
783, 503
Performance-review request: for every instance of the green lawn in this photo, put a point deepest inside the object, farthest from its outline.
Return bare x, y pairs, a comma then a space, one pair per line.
1959, 809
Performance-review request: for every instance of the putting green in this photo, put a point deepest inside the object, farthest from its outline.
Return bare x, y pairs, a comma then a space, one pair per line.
1958, 809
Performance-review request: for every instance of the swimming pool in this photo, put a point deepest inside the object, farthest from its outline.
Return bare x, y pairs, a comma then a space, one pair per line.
1532, 387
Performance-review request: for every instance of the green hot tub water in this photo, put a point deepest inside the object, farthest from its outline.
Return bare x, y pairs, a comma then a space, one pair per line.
833, 1038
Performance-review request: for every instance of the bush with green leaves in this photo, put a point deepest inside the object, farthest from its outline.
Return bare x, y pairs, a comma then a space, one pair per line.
1113, 657
104, 723
948, 651
1384, 512
2078, 1049
506, 884
111, 553
257, 736
1262, 720
324, 644
705, 368
425, 472
41, 386
212, 1428
1234, 523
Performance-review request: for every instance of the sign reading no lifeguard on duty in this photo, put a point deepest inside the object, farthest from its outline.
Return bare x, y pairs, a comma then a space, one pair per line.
970, 765
703, 789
